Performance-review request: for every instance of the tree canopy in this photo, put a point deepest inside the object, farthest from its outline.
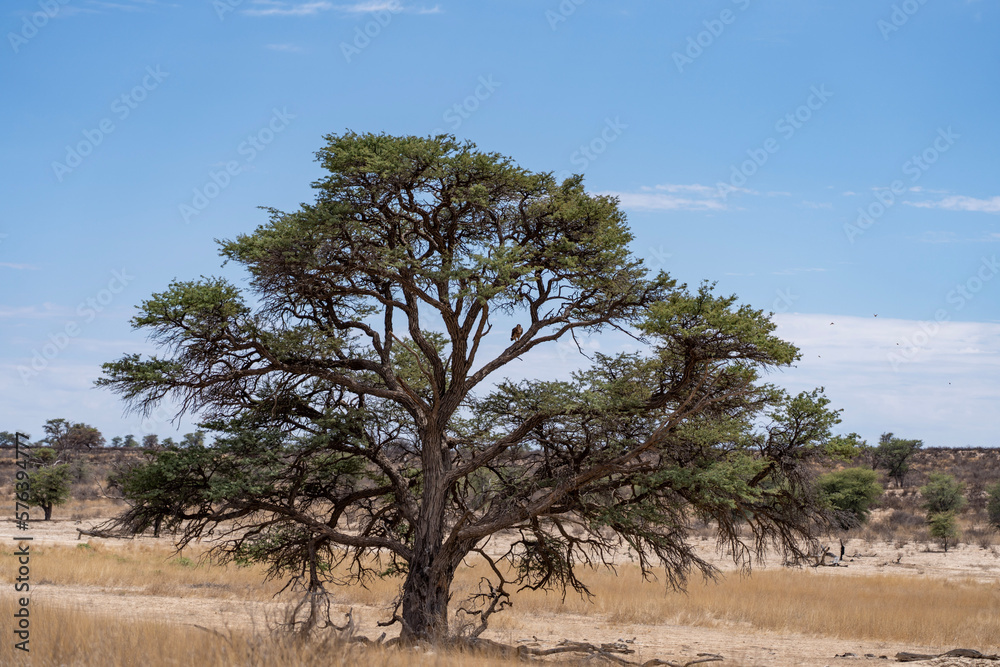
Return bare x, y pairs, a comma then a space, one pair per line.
851, 492
362, 412
64, 435
49, 485
893, 455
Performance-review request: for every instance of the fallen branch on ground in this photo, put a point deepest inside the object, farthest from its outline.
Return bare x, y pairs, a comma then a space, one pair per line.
106, 534
904, 656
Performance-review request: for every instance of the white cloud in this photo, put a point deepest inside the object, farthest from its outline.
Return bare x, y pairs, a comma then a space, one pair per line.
952, 237
44, 311
677, 197
665, 202
791, 272
962, 203
935, 381
274, 8
851, 360
284, 48
19, 267
281, 8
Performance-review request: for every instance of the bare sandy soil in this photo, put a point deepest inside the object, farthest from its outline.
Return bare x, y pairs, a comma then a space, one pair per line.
740, 645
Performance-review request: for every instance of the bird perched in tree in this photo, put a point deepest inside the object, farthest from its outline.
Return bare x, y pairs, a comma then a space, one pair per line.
516, 332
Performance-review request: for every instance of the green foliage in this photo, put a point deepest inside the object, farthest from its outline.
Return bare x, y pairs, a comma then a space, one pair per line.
893, 455
943, 493
358, 414
993, 505
61, 434
943, 527
851, 493
196, 439
43, 456
49, 486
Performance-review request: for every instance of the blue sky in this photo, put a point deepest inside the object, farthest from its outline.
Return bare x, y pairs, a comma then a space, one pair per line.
828, 161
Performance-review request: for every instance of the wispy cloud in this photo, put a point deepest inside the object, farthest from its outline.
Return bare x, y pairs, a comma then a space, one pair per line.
367, 7
816, 204
676, 197
275, 8
952, 237
282, 8
792, 272
20, 267
961, 203
950, 379
44, 311
284, 48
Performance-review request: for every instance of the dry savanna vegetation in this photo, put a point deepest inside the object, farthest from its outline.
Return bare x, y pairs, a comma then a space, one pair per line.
131, 602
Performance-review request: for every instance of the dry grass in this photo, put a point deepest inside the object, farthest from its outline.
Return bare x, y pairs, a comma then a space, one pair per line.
911, 608
143, 569
887, 608
62, 637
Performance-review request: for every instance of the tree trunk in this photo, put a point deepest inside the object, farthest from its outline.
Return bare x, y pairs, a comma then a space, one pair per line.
426, 591
48, 511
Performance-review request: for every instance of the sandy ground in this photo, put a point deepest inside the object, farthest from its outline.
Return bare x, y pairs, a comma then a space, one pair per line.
739, 645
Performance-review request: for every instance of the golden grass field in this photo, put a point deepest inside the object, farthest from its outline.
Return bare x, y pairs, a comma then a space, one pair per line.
137, 602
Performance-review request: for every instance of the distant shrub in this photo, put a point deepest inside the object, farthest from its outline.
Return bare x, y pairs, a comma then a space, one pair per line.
993, 505
850, 493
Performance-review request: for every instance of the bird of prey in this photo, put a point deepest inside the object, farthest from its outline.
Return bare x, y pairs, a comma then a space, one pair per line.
516, 332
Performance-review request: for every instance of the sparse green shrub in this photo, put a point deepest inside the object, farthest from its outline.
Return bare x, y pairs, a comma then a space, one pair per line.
993, 505
943, 528
49, 486
943, 493
851, 493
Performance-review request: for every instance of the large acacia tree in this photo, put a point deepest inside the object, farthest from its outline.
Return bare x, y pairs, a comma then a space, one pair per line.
362, 412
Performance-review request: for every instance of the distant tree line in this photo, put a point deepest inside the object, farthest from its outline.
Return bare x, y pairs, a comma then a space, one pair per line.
50, 474
64, 435
852, 493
